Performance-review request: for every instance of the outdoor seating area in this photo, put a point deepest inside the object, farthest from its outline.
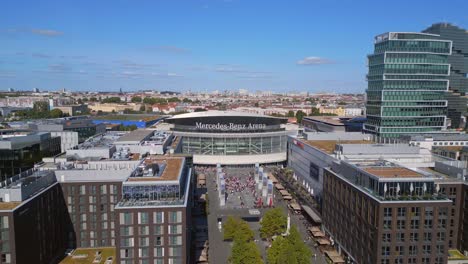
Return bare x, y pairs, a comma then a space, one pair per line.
334, 257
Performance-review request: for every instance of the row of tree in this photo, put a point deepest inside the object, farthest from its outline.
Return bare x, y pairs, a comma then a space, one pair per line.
40, 110
285, 248
244, 249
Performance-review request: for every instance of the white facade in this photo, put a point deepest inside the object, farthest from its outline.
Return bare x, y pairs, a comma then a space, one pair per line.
68, 139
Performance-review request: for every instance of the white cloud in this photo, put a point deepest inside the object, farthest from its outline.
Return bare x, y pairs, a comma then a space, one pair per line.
313, 61
46, 32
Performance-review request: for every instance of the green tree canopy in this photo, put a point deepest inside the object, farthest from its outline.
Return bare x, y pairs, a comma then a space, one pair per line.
115, 100
237, 229
173, 100
273, 223
41, 106
245, 253
136, 99
290, 113
56, 113
290, 249
299, 116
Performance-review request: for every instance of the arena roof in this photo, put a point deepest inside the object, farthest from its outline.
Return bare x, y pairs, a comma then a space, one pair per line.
214, 113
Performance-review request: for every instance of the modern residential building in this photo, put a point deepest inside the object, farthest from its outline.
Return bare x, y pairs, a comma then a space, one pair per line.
34, 222
392, 214
407, 82
458, 86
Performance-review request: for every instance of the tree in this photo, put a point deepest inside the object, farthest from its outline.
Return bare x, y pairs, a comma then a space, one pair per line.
79, 101
136, 99
142, 108
273, 223
290, 249
237, 229
342, 103
314, 111
56, 113
186, 100
299, 116
245, 253
256, 104
93, 99
199, 110
41, 106
290, 113
324, 101
173, 100
115, 100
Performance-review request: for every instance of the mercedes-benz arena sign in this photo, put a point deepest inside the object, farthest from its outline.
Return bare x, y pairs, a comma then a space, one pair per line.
229, 137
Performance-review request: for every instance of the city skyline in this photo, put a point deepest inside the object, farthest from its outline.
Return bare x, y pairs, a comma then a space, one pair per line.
201, 45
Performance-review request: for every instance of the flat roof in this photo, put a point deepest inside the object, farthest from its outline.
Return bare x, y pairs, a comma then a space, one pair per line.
332, 120
328, 146
449, 148
88, 255
136, 135
171, 171
392, 172
213, 113
127, 117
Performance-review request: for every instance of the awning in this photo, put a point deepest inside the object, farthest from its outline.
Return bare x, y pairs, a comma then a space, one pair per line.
334, 257
201, 177
323, 241
295, 206
312, 214
287, 197
273, 179
318, 234
284, 193
279, 186
314, 228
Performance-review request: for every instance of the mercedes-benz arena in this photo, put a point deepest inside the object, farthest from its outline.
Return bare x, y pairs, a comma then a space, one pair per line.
232, 138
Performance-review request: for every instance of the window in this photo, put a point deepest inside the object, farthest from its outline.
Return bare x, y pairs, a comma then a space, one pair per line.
175, 240
414, 224
399, 251
400, 237
175, 251
387, 212
426, 249
401, 224
158, 230
143, 218
126, 218
440, 249
386, 237
414, 237
159, 241
427, 236
429, 211
415, 211
440, 236
442, 223
428, 223
175, 217
413, 250
402, 211
174, 229
386, 251
159, 252
387, 224
158, 217
144, 230
144, 241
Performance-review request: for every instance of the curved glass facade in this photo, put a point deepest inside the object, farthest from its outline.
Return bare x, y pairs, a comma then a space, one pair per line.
248, 145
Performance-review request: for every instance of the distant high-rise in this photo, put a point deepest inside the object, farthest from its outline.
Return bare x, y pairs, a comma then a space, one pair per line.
407, 83
458, 85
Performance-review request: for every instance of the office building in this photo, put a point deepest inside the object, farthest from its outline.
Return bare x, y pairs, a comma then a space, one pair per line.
458, 60
20, 151
407, 83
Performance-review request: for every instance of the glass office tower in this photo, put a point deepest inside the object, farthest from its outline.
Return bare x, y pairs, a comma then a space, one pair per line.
458, 86
407, 83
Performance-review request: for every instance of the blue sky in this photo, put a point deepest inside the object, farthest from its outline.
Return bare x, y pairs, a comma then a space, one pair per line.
202, 44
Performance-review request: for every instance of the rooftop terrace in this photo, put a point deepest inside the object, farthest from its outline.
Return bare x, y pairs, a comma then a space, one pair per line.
171, 168
91, 255
392, 172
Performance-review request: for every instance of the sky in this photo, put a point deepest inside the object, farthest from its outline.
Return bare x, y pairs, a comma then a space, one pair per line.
202, 45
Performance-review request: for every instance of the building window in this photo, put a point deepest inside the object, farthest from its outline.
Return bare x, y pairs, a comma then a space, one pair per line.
386, 237
158, 217
159, 252
428, 223
402, 211
387, 212
401, 224
414, 224
175, 217
143, 218
387, 224
415, 211
144, 230
414, 237
126, 218
413, 250
159, 241
426, 249
442, 223
399, 250
400, 237
386, 251
427, 236
158, 230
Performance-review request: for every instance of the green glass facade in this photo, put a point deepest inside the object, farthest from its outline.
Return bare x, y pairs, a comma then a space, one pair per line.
407, 84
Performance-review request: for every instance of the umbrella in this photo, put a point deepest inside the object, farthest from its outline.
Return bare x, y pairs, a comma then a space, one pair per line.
398, 188
411, 188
